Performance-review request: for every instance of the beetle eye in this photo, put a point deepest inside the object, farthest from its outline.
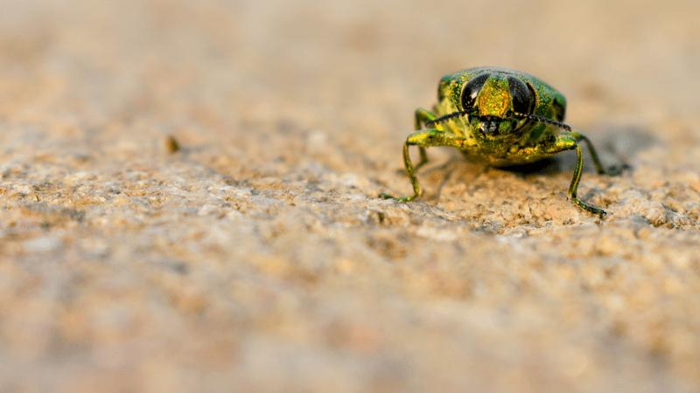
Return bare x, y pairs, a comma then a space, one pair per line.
522, 95
471, 90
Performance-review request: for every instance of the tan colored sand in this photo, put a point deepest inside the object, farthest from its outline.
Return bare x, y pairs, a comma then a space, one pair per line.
257, 257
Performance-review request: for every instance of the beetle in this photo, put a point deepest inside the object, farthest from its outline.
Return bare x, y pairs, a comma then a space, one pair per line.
499, 117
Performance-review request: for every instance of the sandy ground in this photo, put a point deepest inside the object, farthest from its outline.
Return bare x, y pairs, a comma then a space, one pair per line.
257, 258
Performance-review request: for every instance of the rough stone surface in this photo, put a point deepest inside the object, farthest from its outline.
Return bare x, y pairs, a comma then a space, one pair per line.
257, 256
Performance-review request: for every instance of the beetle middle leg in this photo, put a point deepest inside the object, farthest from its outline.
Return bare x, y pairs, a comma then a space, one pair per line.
423, 139
611, 170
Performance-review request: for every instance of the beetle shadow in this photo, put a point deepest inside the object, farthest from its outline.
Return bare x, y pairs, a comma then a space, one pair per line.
624, 143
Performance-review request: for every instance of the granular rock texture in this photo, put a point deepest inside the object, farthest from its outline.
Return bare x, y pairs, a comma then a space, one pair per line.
189, 200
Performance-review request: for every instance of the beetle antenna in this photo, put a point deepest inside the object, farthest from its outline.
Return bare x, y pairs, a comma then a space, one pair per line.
545, 120
446, 117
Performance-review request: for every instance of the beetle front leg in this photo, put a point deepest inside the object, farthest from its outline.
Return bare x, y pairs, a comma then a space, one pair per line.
411, 172
422, 139
570, 143
422, 116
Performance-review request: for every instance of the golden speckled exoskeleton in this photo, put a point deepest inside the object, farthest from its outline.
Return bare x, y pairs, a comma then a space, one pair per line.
500, 117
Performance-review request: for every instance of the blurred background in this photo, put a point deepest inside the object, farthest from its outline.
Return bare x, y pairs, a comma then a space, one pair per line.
254, 60
258, 259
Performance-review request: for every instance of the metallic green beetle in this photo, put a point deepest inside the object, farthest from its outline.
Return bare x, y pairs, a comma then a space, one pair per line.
500, 117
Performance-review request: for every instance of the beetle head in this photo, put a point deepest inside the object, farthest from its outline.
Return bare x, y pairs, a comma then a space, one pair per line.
498, 105
490, 99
